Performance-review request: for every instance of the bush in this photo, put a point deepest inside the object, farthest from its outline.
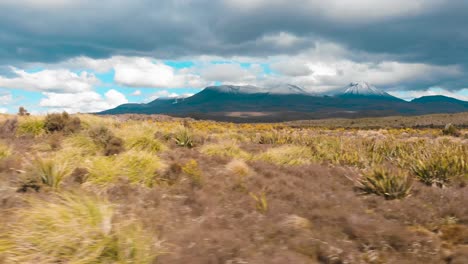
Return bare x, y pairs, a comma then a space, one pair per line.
111, 144
114, 146
62, 123
75, 229
451, 130
9, 127
385, 183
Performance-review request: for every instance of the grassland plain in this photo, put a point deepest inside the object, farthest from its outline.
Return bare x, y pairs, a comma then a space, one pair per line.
155, 189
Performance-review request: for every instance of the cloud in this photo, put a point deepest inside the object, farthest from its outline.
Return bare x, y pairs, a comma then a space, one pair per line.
61, 80
136, 93
409, 95
161, 94
144, 73
176, 28
89, 101
6, 98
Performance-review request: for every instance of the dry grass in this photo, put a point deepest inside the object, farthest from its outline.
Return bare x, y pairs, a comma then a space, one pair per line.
75, 229
238, 193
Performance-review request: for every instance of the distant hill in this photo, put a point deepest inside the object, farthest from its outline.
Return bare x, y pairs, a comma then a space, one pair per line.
290, 102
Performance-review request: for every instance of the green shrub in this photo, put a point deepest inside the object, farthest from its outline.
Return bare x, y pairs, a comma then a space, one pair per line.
385, 183
62, 123
75, 229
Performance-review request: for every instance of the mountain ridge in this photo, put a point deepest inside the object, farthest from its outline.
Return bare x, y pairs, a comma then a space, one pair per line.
287, 102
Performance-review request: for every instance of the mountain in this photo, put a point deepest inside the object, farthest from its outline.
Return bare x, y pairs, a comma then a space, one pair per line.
362, 89
289, 102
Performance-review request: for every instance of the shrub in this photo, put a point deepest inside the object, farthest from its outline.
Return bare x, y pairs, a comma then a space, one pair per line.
385, 183
102, 136
114, 146
30, 126
9, 127
75, 229
451, 130
62, 123
184, 138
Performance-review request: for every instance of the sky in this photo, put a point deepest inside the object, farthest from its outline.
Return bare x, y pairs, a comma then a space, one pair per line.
88, 56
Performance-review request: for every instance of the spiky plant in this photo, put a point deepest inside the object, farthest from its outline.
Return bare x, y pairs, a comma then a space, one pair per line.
386, 183
184, 138
50, 172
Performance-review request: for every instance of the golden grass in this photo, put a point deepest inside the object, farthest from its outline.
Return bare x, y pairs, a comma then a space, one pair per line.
287, 155
139, 167
75, 229
226, 149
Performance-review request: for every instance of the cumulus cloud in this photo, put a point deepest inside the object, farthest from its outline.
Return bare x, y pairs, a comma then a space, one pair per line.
89, 101
60, 80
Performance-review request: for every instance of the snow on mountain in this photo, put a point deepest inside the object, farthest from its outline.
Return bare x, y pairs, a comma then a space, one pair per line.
250, 89
363, 88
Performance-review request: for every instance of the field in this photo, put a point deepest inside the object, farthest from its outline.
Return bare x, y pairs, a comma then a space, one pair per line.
156, 189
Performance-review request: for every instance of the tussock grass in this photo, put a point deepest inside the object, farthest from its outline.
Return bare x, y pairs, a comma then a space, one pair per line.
139, 167
226, 149
238, 168
5, 151
75, 229
145, 142
287, 155
33, 126
192, 169
50, 172
386, 183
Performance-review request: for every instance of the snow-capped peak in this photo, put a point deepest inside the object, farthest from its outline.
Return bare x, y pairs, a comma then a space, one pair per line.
363, 88
250, 89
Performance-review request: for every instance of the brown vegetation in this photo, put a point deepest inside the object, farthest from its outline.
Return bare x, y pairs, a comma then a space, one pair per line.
142, 189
